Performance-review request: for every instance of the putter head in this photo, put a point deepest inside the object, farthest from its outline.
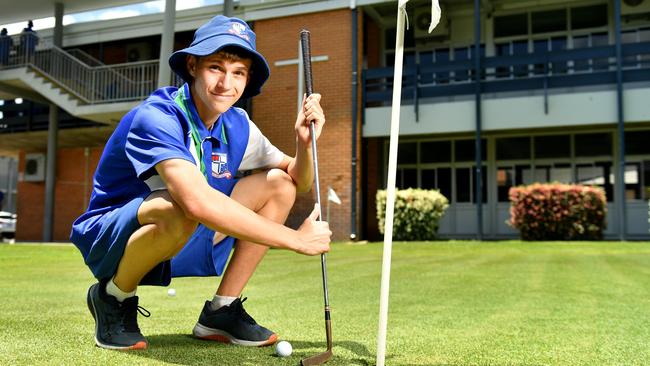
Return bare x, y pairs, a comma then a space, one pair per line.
317, 359
325, 356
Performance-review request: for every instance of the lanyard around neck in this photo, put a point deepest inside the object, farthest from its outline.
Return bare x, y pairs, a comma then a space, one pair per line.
196, 137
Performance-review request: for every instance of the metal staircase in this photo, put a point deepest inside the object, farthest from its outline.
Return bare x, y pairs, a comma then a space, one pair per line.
86, 89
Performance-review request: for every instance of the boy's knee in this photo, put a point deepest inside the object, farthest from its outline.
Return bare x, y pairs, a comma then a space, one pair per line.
173, 227
174, 232
282, 186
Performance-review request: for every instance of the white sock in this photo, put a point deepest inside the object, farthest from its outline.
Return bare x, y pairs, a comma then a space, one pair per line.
115, 291
219, 301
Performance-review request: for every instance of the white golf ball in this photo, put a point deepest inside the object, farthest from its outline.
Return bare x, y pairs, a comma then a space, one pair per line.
171, 292
283, 349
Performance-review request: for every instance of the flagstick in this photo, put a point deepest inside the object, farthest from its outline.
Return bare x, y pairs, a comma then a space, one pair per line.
390, 199
328, 203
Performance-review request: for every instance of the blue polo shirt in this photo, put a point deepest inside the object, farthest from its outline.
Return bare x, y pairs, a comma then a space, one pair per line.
157, 130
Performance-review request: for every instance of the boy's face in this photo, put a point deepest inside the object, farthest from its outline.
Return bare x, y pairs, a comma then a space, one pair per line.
218, 83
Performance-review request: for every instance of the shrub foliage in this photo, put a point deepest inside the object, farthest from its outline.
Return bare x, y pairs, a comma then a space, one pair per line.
417, 213
558, 211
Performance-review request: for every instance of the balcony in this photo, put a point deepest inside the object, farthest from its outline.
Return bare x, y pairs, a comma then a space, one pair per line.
534, 71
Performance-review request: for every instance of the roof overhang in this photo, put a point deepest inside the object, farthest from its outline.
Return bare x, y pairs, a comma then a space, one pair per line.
36, 9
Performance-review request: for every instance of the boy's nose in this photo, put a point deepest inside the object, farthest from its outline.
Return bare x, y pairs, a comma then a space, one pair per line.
226, 81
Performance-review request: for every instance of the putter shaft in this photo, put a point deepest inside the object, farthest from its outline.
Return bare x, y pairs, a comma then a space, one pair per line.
306, 59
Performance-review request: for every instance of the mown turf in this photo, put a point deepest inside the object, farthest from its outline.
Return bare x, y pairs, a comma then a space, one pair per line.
452, 303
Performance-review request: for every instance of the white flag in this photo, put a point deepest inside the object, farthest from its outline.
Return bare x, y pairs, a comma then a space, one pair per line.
331, 196
436, 13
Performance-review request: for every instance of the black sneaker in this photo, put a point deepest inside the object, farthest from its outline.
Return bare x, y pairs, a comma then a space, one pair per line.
232, 324
116, 324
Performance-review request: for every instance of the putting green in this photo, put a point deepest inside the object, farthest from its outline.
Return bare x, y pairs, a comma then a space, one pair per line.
452, 303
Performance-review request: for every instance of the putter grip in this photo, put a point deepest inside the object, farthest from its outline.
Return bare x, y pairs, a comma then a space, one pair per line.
306, 61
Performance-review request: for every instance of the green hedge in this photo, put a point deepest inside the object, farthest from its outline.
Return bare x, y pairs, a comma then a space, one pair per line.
417, 213
557, 211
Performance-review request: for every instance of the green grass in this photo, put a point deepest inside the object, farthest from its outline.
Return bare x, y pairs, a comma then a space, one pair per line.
452, 303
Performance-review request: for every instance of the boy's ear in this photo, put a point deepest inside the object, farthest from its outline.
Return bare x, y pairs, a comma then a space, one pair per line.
190, 63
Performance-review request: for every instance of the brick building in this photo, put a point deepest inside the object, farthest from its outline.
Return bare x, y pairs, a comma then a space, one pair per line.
560, 97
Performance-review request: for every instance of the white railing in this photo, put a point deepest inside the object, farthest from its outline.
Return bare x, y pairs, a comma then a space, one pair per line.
84, 57
91, 84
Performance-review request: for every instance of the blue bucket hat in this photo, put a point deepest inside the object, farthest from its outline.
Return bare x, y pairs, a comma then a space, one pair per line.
213, 36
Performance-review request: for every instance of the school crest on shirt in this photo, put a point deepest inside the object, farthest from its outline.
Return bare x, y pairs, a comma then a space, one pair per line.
220, 166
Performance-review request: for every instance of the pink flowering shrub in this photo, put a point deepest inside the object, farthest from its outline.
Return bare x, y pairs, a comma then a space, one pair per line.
557, 211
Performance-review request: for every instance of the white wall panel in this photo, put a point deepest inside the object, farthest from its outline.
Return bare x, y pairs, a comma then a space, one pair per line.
516, 112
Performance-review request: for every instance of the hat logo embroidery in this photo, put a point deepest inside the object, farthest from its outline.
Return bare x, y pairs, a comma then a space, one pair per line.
239, 30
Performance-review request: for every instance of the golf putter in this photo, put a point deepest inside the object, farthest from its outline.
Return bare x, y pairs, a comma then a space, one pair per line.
309, 88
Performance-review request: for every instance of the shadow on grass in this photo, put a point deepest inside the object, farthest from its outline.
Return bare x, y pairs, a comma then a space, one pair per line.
183, 349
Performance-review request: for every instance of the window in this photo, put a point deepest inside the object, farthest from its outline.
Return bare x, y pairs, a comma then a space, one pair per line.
593, 144
444, 182
549, 147
511, 176
646, 178
505, 180
540, 47
438, 178
465, 150
408, 60
591, 175
634, 36
461, 54
428, 179
632, 181
539, 174
519, 47
513, 148
599, 174
463, 185
637, 142
552, 173
559, 44
435, 152
407, 153
442, 56
426, 59
511, 25
391, 34
581, 42
502, 49
644, 36
549, 21
429, 58
561, 173
407, 178
598, 40
593, 16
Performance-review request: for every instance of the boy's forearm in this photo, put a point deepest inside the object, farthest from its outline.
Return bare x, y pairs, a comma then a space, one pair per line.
198, 200
301, 168
236, 220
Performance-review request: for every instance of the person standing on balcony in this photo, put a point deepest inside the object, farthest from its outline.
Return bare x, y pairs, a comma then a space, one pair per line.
169, 201
28, 42
5, 47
